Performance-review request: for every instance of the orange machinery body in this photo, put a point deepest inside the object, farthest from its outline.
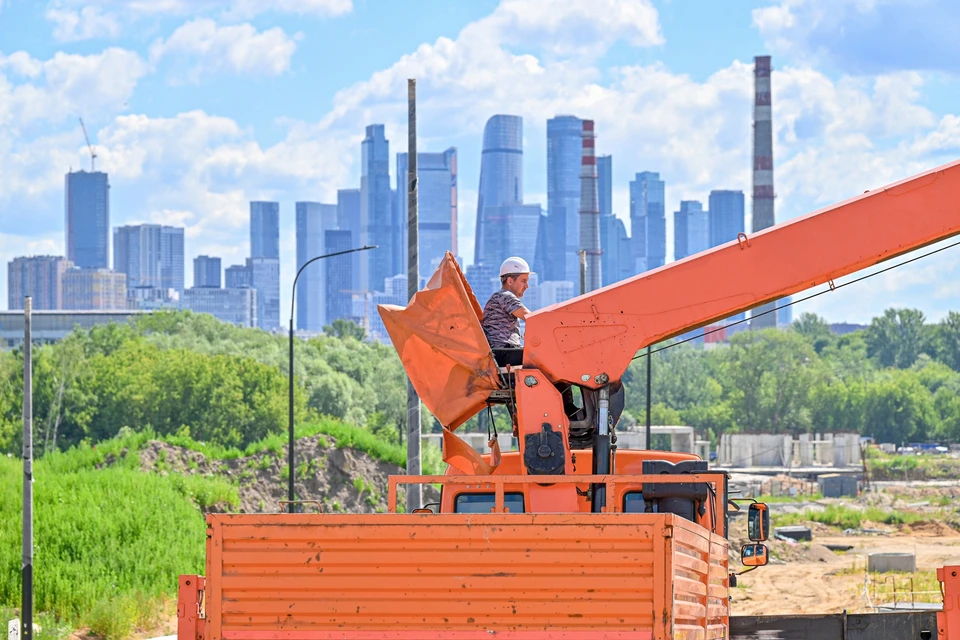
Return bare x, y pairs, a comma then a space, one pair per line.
575, 576
555, 570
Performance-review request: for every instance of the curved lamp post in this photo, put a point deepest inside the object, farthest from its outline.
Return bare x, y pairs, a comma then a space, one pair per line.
293, 298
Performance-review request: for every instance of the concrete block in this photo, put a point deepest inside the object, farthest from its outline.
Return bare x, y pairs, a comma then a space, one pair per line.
882, 562
798, 533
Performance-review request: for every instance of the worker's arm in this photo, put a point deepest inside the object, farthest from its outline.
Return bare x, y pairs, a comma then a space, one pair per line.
522, 313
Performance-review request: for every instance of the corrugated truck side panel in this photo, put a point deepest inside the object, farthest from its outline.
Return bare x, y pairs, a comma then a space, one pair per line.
699, 567
573, 576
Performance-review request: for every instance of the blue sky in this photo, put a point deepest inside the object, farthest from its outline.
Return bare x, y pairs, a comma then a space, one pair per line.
198, 106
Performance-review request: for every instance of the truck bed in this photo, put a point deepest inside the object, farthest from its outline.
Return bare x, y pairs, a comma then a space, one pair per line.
404, 576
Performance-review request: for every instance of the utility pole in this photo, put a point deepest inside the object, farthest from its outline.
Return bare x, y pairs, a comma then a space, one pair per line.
414, 491
26, 594
583, 271
649, 382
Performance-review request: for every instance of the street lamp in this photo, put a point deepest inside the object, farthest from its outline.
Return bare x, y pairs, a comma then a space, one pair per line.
293, 298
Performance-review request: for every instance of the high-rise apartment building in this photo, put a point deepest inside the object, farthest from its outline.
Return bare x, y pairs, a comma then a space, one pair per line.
94, 290
726, 216
264, 229
348, 219
238, 276
338, 298
206, 272
484, 279
511, 231
648, 221
234, 306
436, 206
38, 277
615, 244
264, 262
564, 150
171, 258
150, 255
501, 184
314, 219
265, 278
691, 229
378, 219
88, 219
605, 184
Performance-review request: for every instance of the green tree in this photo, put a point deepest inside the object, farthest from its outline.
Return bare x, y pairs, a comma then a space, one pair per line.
341, 328
767, 377
815, 330
896, 339
946, 340
899, 409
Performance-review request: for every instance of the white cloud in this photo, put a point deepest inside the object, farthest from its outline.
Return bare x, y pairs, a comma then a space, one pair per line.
85, 19
88, 22
238, 49
834, 137
864, 36
68, 85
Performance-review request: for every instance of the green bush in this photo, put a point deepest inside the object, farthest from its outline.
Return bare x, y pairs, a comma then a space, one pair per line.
109, 543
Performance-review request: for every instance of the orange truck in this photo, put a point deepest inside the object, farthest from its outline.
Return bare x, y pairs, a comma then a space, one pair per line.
569, 537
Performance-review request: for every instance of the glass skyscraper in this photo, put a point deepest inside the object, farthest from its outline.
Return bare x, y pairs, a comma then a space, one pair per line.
691, 229
206, 272
436, 207
338, 300
265, 262
605, 184
501, 183
726, 216
378, 224
264, 229
150, 255
614, 242
88, 219
564, 151
648, 221
348, 219
313, 221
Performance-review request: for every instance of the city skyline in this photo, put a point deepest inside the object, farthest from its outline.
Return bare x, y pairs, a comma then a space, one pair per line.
185, 145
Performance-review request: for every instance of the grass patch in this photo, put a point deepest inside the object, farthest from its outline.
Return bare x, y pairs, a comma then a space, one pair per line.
109, 543
790, 499
920, 586
845, 517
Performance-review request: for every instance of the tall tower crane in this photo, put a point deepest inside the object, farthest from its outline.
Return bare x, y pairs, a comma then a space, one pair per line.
93, 154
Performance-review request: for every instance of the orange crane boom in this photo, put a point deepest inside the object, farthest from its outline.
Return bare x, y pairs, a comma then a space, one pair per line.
599, 333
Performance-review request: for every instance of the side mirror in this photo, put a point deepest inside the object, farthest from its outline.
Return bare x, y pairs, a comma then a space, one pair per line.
753, 555
758, 522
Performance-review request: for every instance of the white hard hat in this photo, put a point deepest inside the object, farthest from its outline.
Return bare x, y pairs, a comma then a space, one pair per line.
514, 265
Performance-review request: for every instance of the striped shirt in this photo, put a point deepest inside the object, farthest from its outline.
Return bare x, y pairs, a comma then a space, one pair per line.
501, 327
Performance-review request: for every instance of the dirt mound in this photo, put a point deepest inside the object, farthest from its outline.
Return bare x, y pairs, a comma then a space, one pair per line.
342, 480
933, 528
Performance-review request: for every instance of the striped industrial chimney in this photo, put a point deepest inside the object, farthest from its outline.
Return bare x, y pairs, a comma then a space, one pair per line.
762, 171
590, 207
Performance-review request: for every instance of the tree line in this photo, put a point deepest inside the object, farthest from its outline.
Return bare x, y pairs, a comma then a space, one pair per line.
181, 373
897, 380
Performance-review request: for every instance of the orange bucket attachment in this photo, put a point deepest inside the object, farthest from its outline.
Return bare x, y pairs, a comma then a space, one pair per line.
443, 349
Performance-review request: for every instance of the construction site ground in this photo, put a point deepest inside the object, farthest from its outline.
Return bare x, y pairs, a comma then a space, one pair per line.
809, 577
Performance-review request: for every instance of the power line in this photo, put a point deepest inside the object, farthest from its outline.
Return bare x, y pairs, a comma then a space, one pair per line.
832, 287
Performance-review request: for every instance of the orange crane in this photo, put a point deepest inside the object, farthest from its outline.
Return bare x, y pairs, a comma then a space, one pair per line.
569, 537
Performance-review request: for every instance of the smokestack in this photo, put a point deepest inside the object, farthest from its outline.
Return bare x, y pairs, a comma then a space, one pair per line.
762, 170
590, 206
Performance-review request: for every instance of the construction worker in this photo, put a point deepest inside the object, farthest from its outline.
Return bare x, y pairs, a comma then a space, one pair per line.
504, 311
